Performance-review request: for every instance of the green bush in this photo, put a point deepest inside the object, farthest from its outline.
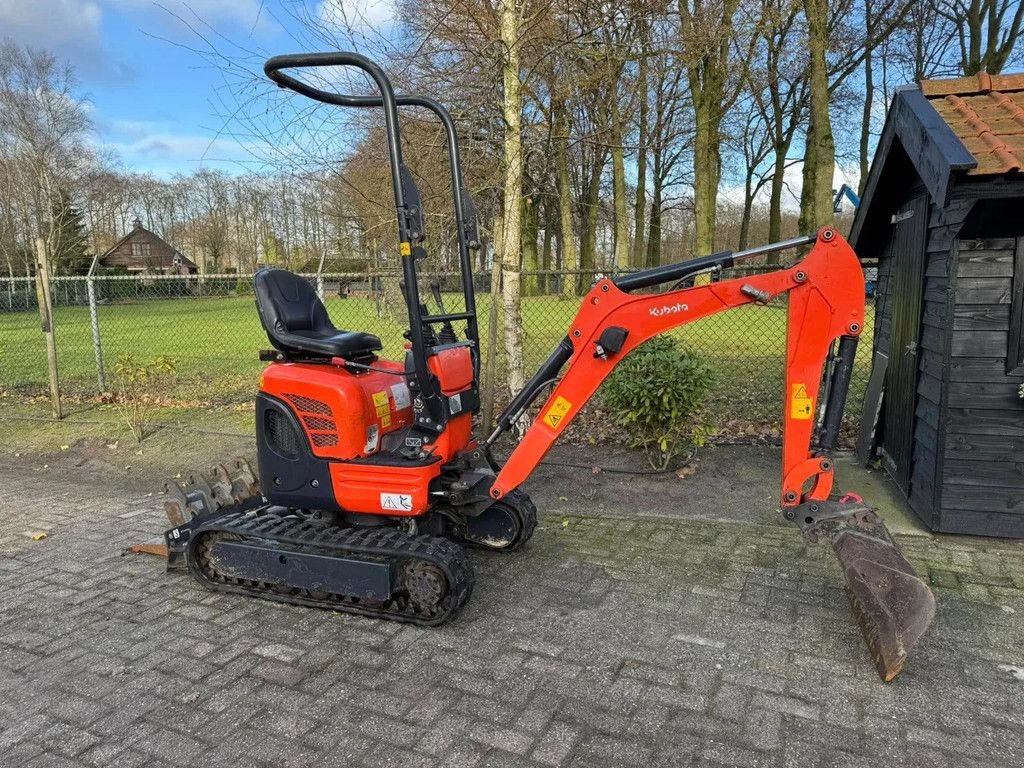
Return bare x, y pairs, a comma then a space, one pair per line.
656, 395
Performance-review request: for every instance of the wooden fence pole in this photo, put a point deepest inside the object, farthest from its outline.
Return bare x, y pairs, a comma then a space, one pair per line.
46, 317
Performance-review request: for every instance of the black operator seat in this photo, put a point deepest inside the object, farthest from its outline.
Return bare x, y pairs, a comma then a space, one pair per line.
297, 323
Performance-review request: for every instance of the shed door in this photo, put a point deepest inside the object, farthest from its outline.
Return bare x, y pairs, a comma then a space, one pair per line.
907, 248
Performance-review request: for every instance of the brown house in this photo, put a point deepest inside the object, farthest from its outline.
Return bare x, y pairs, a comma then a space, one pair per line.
142, 251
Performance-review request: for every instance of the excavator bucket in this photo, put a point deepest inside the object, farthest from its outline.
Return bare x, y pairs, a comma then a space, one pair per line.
891, 603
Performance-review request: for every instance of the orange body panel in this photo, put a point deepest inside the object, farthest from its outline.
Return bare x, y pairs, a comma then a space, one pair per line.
344, 415
453, 369
381, 489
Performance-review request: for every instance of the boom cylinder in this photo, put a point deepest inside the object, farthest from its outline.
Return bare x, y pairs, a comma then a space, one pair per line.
836, 403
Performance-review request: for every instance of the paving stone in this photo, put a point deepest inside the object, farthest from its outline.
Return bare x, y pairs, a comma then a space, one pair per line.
609, 641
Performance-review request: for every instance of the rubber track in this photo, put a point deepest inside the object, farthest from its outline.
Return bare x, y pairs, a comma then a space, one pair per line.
282, 527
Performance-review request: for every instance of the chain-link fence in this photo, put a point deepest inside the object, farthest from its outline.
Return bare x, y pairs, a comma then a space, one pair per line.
209, 326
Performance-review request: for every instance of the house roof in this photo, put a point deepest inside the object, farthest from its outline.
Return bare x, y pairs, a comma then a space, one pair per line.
986, 112
162, 254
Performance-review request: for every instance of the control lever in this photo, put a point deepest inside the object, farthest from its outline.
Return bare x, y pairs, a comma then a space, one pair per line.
447, 334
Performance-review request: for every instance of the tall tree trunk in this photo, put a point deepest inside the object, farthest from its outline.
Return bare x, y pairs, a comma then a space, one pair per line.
566, 236
707, 167
545, 254
619, 187
640, 204
775, 201
529, 245
591, 209
869, 97
820, 154
654, 236
512, 111
748, 207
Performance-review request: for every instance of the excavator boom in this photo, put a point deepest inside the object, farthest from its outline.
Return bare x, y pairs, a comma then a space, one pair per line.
825, 299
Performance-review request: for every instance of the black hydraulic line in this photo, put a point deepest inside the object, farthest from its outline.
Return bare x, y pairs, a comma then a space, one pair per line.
548, 371
840, 385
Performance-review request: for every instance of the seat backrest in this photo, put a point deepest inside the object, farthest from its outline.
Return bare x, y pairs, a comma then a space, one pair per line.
287, 303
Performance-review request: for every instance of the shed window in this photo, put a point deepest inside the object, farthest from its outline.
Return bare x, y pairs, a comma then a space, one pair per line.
140, 250
1015, 353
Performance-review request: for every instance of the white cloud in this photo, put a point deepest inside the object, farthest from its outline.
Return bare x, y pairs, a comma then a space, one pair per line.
70, 29
141, 146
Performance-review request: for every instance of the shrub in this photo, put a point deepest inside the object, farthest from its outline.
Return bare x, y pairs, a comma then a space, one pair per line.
137, 385
656, 395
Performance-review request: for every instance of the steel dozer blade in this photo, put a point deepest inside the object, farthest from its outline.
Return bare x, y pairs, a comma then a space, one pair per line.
197, 495
891, 603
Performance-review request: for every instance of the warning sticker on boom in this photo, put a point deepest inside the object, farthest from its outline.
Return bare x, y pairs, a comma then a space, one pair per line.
557, 412
380, 403
801, 404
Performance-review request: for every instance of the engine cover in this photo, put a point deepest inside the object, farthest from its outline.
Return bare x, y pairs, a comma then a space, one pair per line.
344, 415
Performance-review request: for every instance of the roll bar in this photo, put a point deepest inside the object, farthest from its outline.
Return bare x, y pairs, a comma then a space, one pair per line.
410, 229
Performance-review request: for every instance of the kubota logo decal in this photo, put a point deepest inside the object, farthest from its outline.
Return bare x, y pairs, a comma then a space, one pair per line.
669, 309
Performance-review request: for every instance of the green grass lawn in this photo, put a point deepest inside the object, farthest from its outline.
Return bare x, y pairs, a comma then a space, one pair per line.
215, 342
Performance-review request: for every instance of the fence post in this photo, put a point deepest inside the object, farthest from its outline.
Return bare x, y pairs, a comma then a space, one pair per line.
46, 316
94, 321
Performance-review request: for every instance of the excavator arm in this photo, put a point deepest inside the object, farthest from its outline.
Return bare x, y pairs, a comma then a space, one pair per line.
825, 297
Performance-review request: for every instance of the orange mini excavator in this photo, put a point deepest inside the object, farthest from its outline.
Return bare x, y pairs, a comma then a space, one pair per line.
371, 478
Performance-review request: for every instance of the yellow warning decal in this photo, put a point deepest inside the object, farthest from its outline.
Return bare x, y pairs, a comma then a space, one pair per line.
801, 404
557, 412
380, 402
405, 249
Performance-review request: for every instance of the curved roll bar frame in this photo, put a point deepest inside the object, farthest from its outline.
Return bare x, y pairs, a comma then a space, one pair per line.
467, 229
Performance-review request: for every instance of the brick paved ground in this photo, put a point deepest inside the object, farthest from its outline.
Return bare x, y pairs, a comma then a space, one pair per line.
607, 642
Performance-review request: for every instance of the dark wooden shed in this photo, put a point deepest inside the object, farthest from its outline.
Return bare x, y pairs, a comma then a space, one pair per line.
943, 213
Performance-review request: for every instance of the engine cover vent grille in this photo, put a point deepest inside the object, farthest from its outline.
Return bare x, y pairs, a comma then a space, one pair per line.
309, 405
318, 420
280, 434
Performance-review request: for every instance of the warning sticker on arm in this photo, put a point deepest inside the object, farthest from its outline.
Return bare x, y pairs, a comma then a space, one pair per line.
555, 415
801, 404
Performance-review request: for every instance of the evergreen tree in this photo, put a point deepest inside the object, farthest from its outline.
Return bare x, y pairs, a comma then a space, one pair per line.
70, 254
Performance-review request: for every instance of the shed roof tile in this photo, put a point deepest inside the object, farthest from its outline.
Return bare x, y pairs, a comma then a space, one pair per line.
986, 112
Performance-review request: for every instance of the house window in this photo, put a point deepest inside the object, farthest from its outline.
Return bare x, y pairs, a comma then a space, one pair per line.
1015, 353
140, 250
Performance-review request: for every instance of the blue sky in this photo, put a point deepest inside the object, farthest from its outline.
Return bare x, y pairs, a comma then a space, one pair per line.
161, 106
157, 104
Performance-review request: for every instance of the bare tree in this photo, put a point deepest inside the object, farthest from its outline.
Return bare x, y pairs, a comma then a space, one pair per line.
43, 123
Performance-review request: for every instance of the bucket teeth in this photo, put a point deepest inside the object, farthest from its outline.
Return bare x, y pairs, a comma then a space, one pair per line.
220, 485
197, 494
244, 483
176, 504
892, 604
